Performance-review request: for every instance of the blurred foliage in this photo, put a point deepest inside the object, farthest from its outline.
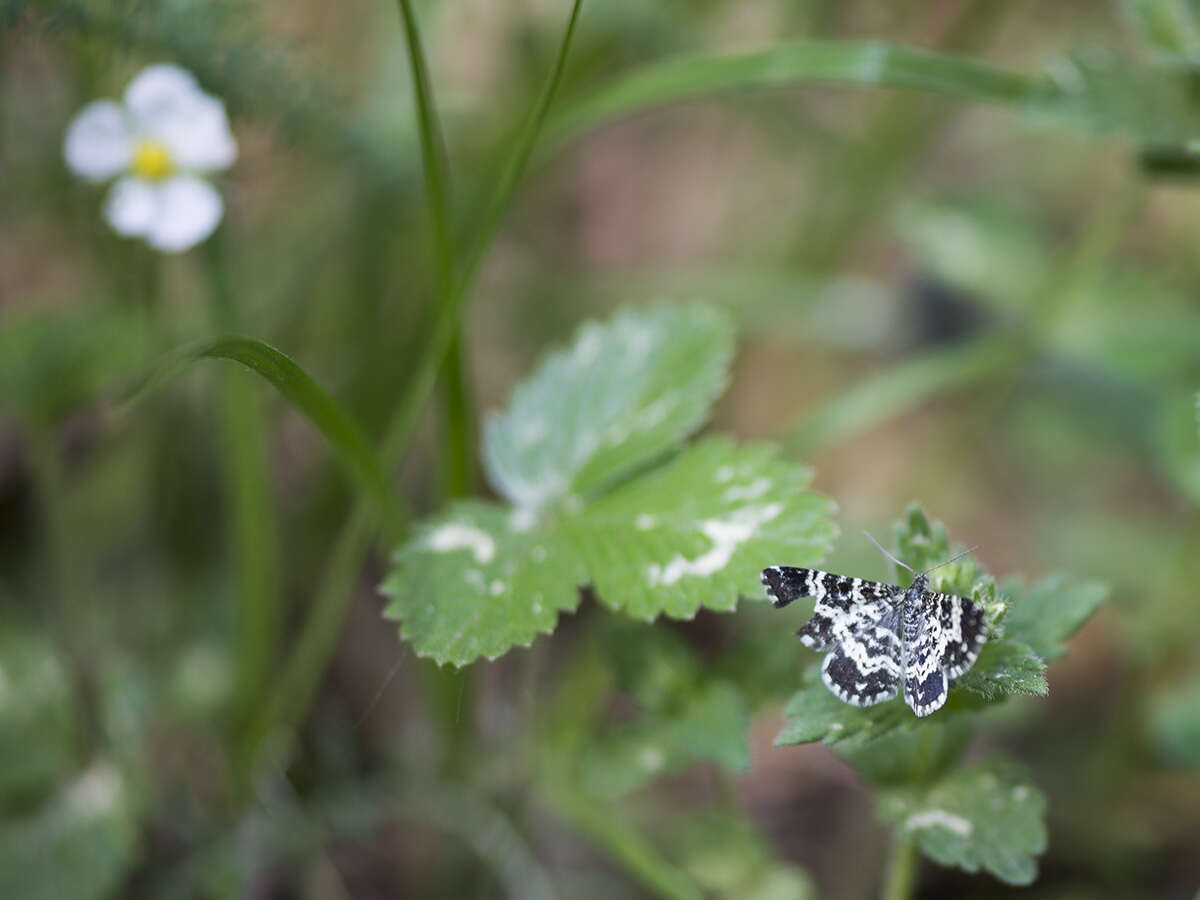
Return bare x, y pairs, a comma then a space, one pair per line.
955, 242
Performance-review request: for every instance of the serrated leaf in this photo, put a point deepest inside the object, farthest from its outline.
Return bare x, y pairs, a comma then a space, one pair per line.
76, 847
1049, 612
695, 531
815, 714
710, 726
37, 715
477, 581
698, 531
988, 816
1005, 667
624, 392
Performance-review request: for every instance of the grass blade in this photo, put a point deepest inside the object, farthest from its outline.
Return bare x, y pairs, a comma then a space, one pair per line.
346, 439
899, 389
862, 63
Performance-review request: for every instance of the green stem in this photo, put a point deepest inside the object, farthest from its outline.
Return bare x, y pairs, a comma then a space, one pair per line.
253, 539
456, 429
900, 879
458, 433
318, 634
72, 617
301, 674
433, 155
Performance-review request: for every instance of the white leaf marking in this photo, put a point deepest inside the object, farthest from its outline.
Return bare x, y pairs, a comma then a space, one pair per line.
939, 818
751, 491
456, 536
726, 535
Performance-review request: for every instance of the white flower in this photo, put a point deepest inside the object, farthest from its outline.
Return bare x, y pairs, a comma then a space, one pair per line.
159, 141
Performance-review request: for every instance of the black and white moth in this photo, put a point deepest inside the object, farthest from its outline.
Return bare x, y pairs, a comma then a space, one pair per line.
879, 635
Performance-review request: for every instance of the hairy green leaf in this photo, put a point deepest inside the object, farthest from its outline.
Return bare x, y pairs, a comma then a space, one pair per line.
624, 392
479, 580
76, 847
815, 714
697, 531
988, 816
1005, 667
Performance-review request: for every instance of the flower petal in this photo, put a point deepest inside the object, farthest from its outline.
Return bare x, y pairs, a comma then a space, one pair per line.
196, 133
132, 206
188, 212
98, 144
157, 88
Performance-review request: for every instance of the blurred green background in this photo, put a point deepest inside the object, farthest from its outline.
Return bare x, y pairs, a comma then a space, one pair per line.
949, 289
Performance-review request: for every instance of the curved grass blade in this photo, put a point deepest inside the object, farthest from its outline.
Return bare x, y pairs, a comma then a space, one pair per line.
862, 63
348, 441
900, 389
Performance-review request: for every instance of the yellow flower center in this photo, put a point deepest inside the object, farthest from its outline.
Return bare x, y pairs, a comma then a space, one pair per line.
151, 160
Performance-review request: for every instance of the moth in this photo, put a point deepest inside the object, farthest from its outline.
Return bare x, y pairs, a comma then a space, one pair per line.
882, 635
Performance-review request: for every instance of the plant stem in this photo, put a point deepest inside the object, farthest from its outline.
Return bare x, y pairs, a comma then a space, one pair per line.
455, 426
318, 634
253, 539
900, 879
458, 433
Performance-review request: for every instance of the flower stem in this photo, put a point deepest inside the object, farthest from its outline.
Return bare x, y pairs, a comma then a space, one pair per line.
318, 634
900, 879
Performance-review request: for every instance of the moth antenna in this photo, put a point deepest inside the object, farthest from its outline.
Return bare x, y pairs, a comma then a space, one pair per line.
885, 553
951, 559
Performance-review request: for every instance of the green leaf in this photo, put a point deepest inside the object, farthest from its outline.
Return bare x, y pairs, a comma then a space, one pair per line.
1005, 667
624, 392
77, 847
347, 440
710, 726
863, 63
815, 714
695, 531
988, 816
1049, 612
1175, 724
699, 530
477, 581
37, 715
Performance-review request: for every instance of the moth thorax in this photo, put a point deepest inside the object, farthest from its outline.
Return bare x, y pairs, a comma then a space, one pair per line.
913, 602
